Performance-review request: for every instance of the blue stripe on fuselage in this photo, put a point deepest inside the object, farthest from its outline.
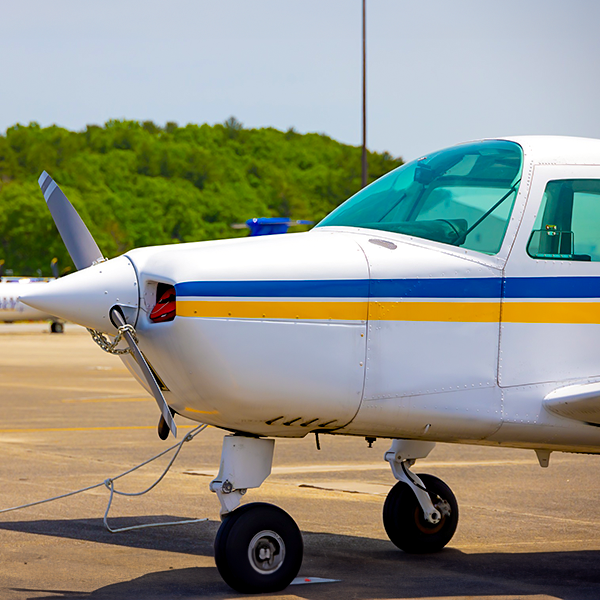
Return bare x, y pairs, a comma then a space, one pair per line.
552, 287
315, 288
475, 287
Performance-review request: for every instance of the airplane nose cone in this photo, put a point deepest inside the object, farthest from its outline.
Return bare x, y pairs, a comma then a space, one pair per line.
86, 297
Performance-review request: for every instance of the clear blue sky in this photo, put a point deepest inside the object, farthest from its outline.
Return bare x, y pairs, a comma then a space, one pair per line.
439, 72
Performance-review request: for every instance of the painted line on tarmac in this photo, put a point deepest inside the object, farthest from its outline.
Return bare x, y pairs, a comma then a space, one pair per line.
380, 466
63, 429
101, 400
583, 545
305, 580
480, 463
61, 388
384, 466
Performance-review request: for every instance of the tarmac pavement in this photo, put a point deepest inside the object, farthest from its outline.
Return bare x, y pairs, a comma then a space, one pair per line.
72, 416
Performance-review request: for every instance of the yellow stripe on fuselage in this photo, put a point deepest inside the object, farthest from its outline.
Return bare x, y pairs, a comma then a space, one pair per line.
551, 312
342, 311
338, 311
450, 312
463, 312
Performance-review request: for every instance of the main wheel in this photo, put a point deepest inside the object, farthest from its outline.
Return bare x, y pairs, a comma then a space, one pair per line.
57, 327
258, 549
405, 522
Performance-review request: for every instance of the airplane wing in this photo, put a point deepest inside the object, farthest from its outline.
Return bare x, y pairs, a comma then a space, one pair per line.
579, 402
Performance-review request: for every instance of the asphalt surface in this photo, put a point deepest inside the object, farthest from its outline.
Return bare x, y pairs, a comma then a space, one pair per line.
72, 417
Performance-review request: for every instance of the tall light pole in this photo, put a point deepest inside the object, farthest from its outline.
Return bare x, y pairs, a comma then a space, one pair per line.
364, 94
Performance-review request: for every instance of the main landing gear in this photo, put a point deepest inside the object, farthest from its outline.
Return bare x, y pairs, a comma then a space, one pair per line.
420, 513
57, 327
258, 548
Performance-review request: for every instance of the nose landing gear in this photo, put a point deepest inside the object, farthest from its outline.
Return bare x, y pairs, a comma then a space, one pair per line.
258, 548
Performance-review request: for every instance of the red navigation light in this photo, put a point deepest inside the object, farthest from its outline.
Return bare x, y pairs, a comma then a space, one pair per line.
166, 306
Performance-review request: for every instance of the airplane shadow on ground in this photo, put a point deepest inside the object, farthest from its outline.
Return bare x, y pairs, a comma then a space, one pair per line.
367, 568
191, 538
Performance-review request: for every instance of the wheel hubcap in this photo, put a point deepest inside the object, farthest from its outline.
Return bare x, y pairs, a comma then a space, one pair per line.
266, 552
424, 525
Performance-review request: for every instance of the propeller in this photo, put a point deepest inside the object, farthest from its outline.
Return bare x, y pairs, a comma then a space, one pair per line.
85, 252
80, 244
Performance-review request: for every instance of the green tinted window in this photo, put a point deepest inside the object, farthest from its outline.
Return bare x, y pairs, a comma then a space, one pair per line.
461, 196
567, 226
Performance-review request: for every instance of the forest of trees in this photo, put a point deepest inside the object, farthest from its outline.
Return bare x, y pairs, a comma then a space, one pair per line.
138, 184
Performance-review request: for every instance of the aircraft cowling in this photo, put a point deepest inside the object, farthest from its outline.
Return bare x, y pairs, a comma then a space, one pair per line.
270, 349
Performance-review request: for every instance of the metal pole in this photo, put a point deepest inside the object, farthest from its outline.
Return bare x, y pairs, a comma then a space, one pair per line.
364, 94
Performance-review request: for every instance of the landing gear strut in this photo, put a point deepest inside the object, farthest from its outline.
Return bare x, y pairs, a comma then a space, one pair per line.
420, 513
258, 548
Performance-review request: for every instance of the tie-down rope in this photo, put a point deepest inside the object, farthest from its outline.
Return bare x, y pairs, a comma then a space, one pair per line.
110, 485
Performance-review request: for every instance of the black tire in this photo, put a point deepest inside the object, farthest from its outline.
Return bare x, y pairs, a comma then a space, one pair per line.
56, 327
243, 534
163, 429
405, 523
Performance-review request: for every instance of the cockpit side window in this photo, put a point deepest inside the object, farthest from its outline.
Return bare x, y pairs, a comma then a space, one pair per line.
567, 226
461, 196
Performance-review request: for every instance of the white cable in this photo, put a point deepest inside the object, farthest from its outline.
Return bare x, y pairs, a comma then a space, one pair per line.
109, 484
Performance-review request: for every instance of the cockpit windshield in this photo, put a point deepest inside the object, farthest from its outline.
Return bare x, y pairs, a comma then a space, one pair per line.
461, 196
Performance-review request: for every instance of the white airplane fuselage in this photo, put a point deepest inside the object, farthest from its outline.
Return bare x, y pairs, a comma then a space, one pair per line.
362, 331
370, 347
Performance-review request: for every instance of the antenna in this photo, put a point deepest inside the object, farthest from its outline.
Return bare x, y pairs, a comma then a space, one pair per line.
364, 93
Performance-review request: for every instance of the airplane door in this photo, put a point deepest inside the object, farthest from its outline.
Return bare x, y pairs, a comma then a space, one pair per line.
550, 315
432, 348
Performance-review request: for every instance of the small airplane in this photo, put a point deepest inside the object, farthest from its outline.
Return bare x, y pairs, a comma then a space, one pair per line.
455, 299
12, 309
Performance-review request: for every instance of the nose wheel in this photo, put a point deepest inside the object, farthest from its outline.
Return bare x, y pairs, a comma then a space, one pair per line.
405, 522
258, 548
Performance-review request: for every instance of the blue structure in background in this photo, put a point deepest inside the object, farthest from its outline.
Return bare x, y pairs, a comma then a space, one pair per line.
272, 225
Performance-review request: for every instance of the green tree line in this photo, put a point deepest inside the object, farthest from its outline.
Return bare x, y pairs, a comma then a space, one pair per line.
138, 184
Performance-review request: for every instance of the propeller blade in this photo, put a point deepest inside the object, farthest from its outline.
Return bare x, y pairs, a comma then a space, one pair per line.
79, 241
167, 417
